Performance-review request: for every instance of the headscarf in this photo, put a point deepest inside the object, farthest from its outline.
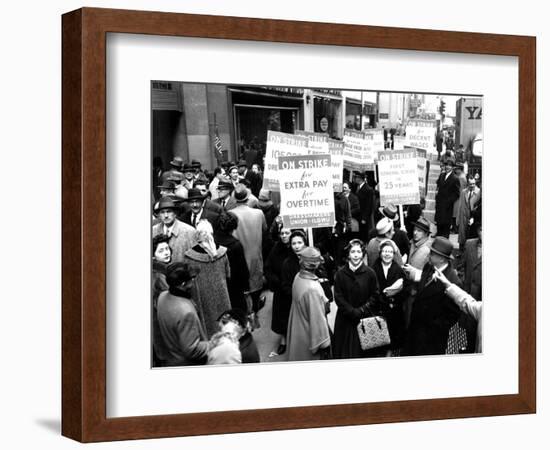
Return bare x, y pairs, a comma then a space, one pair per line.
204, 237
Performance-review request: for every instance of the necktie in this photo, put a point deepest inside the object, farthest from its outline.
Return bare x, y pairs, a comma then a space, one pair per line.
194, 220
469, 201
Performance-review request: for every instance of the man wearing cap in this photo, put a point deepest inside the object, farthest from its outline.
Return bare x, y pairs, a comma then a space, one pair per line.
433, 313
182, 236
448, 190
202, 186
225, 199
219, 175
250, 230
197, 210
234, 176
365, 195
418, 257
253, 178
189, 176
384, 231
174, 171
399, 236
180, 326
308, 336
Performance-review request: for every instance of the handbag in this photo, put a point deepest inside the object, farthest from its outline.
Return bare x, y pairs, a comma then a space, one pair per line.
373, 332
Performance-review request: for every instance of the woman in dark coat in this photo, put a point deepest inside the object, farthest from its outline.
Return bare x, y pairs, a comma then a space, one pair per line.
390, 278
238, 282
357, 296
273, 273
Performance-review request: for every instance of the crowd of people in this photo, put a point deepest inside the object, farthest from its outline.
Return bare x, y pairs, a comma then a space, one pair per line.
219, 246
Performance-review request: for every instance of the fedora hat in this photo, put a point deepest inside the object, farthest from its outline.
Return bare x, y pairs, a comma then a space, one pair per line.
194, 194
383, 226
264, 195
177, 162
241, 193
227, 185
242, 163
442, 246
423, 224
196, 163
389, 211
166, 202
188, 168
167, 185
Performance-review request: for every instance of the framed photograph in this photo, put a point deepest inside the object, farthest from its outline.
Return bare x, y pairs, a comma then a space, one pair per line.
227, 180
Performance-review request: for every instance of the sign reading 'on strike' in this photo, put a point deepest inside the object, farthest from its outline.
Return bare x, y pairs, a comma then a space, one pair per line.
307, 199
280, 144
398, 172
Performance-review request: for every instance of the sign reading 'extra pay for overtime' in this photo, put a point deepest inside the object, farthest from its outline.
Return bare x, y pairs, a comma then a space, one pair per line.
307, 199
398, 173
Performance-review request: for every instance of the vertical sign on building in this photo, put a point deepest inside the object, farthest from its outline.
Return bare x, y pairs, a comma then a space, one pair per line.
398, 174
280, 144
307, 200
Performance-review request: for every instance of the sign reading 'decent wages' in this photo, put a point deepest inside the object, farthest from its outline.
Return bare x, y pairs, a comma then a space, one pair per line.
421, 134
280, 144
398, 173
307, 199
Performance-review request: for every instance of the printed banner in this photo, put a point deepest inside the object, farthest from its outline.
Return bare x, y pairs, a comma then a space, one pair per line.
399, 142
336, 150
375, 143
421, 156
421, 134
316, 142
307, 200
280, 144
398, 175
355, 150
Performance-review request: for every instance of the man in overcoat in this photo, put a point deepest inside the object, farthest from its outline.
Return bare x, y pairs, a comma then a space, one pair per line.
433, 313
365, 195
448, 190
182, 236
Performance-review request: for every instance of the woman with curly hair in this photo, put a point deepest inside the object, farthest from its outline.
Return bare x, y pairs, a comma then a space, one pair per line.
356, 294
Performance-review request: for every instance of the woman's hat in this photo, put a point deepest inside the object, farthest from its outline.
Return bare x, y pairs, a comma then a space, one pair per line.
383, 226
178, 273
423, 224
310, 255
389, 211
177, 162
194, 194
241, 193
442, 246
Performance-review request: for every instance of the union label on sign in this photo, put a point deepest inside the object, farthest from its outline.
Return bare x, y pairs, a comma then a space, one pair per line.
307, 200
398, 173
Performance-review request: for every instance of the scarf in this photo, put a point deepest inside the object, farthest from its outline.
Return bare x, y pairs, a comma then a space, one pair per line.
205, 238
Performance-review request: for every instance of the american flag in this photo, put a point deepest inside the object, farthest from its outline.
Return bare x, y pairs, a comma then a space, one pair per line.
218, 143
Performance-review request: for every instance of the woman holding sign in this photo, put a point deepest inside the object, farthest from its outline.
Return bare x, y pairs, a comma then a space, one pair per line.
357, 296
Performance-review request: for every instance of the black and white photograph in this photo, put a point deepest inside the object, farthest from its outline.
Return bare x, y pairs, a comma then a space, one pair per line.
302, 224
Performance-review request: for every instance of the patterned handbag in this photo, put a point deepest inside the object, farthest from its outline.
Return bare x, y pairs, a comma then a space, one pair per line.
373, 332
